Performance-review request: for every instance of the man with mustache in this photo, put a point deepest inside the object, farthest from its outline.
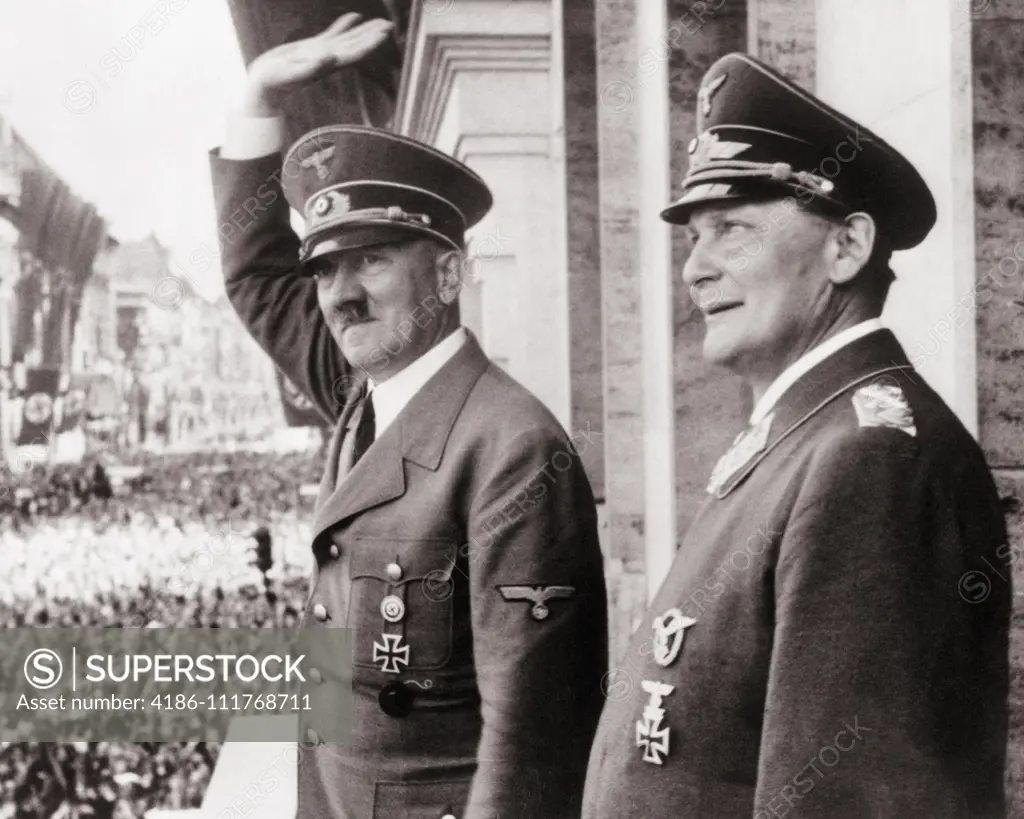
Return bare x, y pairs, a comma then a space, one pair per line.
825, 644
455, 532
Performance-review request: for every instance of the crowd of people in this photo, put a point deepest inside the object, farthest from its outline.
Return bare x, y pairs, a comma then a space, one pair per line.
163, 540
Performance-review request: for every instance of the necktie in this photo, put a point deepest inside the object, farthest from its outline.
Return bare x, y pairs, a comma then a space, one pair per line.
366, 430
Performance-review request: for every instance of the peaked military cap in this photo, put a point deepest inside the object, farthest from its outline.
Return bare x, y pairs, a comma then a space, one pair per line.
762, 136
358, 186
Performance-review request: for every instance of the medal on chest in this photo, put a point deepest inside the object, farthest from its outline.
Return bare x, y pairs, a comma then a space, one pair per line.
652, 735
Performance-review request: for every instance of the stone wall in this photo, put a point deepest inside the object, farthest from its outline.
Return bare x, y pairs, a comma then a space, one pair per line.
586, 358
998, 88
617, 78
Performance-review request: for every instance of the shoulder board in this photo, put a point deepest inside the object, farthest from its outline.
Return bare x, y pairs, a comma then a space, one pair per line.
884, 405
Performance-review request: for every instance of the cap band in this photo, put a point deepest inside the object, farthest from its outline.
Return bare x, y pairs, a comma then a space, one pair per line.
350, 205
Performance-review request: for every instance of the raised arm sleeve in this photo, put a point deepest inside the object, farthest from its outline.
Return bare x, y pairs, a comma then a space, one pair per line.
262, 280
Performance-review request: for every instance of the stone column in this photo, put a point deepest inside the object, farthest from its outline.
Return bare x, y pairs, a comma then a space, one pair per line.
655, 258
619, 138
997, 31
477, 84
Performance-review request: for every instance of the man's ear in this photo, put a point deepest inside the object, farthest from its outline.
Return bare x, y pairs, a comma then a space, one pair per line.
855, 240
448, 267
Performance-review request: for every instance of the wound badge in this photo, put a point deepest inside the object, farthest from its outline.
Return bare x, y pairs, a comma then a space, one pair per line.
538, 595
669, 631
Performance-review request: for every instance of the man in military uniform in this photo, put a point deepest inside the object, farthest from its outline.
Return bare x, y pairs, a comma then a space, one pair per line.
819, 647
455, 531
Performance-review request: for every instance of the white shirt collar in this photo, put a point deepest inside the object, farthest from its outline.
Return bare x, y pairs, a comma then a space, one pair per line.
390, 397
789, 376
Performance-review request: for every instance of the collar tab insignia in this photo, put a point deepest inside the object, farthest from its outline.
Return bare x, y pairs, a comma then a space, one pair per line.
748, 444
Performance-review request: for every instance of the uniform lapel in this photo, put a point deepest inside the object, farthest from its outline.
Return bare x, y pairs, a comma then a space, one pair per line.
418, 434
861, 360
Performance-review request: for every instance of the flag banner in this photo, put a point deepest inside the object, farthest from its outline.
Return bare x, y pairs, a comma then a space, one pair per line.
37, 411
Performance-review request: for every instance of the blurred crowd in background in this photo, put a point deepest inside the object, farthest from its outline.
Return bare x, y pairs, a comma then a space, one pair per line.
164, 540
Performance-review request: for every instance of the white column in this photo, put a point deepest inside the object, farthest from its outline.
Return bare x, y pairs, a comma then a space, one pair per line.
652, 99
903, 69
480, 83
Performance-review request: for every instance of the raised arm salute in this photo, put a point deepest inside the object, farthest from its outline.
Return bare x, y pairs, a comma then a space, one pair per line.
455, 533
259, 249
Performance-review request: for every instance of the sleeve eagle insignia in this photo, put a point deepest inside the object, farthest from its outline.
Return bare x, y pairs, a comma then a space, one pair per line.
538, 595
884, 405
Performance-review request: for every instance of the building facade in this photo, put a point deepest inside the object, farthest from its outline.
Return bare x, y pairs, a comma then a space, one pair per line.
578, 114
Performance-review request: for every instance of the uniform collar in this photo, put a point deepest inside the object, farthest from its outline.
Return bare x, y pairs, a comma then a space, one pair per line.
855, 362
803, 365
419, 436
390, 397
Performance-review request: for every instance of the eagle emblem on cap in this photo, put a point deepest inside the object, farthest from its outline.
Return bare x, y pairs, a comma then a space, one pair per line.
709, 146
708, 91
318, 161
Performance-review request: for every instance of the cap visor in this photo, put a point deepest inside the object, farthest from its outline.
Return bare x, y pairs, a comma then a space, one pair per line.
679, 212
366, 236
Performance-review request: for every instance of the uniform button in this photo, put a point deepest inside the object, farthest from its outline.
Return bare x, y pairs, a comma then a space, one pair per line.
448, 816
395, 699
320, 612
316, 676
394, 571
334, 551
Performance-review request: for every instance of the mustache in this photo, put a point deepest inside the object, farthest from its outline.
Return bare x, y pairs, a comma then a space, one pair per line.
352, 312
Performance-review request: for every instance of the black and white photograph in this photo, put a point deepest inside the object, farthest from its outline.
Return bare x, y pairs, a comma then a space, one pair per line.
511, 409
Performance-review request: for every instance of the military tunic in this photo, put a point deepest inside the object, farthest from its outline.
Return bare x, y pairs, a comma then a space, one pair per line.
461, 551
825, 644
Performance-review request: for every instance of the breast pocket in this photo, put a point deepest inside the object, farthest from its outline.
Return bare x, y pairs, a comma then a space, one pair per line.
419, 800
401, 606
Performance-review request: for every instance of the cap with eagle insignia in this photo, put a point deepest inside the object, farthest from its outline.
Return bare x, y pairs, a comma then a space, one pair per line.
761, 136
358, 186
